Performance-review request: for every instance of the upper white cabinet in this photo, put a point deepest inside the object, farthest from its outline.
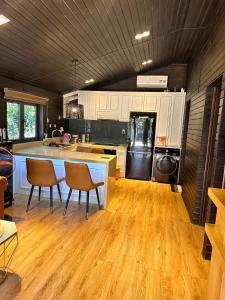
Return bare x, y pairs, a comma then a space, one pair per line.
136, 102
150, 102
109, 106
175, 125
90, 101
163, 116
170, 115
125, 112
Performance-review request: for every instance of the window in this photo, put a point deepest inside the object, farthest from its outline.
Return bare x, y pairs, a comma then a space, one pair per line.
22, 121
13, 120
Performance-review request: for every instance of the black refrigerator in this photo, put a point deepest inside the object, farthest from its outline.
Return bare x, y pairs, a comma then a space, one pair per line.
141, 133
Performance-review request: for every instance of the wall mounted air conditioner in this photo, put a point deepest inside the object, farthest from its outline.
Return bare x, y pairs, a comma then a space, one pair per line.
152, 81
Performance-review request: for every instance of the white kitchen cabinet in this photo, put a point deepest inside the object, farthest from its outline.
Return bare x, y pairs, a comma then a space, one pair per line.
118, 106
121, 161
90, 101
109, 106
136, 102
103, 102
163, 115
175, 127
125, 112
170, 118
150, 102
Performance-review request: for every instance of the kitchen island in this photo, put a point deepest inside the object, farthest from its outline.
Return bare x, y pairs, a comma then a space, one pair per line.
102, 168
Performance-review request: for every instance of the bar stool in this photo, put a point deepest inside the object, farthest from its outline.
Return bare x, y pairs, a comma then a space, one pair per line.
98, 150
41, 173
83, 149
78, 177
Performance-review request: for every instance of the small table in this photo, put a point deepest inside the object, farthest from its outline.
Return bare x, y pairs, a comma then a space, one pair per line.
9, 235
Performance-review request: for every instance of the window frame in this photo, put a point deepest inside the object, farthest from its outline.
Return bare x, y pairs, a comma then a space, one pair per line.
22, 139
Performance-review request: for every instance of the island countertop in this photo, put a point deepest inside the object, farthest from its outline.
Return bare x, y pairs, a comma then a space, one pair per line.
40, 151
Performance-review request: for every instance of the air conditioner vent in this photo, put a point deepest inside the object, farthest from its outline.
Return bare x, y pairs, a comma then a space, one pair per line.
152, 81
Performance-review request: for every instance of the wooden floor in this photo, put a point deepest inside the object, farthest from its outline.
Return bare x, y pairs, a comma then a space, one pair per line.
142, 247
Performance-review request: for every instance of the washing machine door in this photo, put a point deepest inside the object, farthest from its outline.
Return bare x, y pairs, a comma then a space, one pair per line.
166, 165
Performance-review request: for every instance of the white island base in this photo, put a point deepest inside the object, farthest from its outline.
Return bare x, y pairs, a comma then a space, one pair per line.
100, 171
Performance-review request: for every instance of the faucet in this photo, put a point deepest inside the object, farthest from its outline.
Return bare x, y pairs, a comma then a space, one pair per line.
53, 131
53, 142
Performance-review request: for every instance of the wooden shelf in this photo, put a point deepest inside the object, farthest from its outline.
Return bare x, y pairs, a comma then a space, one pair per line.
218, 198
216, 238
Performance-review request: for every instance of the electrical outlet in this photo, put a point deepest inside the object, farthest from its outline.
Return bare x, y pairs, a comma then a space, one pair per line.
123, 131
50, 125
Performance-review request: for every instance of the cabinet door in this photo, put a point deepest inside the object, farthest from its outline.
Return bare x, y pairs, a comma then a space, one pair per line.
125, 113
114, 103
163, 116
136, 103
176, 120
121, 161
103, 101
150, 102
90, 103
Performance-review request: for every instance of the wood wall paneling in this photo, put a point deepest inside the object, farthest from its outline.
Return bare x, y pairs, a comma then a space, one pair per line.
207, 66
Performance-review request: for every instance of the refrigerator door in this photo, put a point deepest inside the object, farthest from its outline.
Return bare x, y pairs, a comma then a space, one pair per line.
139, 165
140, 149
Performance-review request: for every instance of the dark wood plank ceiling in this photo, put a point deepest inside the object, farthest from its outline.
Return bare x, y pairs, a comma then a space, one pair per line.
44, 36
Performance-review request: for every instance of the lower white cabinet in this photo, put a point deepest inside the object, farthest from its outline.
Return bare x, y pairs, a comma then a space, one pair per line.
121, 161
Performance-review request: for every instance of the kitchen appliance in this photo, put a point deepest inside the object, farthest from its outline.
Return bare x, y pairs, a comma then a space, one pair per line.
141, 144
66, 138
6, 170
166, 164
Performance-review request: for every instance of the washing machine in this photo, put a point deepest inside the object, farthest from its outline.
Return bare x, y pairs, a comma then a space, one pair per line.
166, 163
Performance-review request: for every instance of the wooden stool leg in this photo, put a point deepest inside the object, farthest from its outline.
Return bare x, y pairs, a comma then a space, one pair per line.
67, 201
58, 187
87, 205
31, 193
39, 194
51, 199
79, 197
99, 205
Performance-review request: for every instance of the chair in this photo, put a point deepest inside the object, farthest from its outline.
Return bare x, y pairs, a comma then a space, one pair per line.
78, 177
41, 173
3, 186
83, 149
98, 150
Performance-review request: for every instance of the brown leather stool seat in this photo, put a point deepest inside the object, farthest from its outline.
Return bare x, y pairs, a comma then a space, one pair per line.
78, 177
41, 173
98, 150
83, 149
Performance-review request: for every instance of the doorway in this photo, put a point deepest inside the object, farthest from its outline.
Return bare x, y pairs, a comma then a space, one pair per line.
210, 136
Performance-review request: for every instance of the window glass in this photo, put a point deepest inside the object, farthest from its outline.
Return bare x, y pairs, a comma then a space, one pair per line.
30, 121
13, 120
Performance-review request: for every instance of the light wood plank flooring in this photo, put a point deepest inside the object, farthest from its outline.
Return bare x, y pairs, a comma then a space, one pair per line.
142, 247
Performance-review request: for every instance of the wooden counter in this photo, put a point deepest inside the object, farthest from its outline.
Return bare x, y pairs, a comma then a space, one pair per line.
216, 235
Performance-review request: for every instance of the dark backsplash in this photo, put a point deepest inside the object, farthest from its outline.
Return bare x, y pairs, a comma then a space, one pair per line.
102, 131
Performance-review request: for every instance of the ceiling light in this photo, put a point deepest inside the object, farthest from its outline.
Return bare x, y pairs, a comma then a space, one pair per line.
142, 35
3, 20
147, 62
89, 81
